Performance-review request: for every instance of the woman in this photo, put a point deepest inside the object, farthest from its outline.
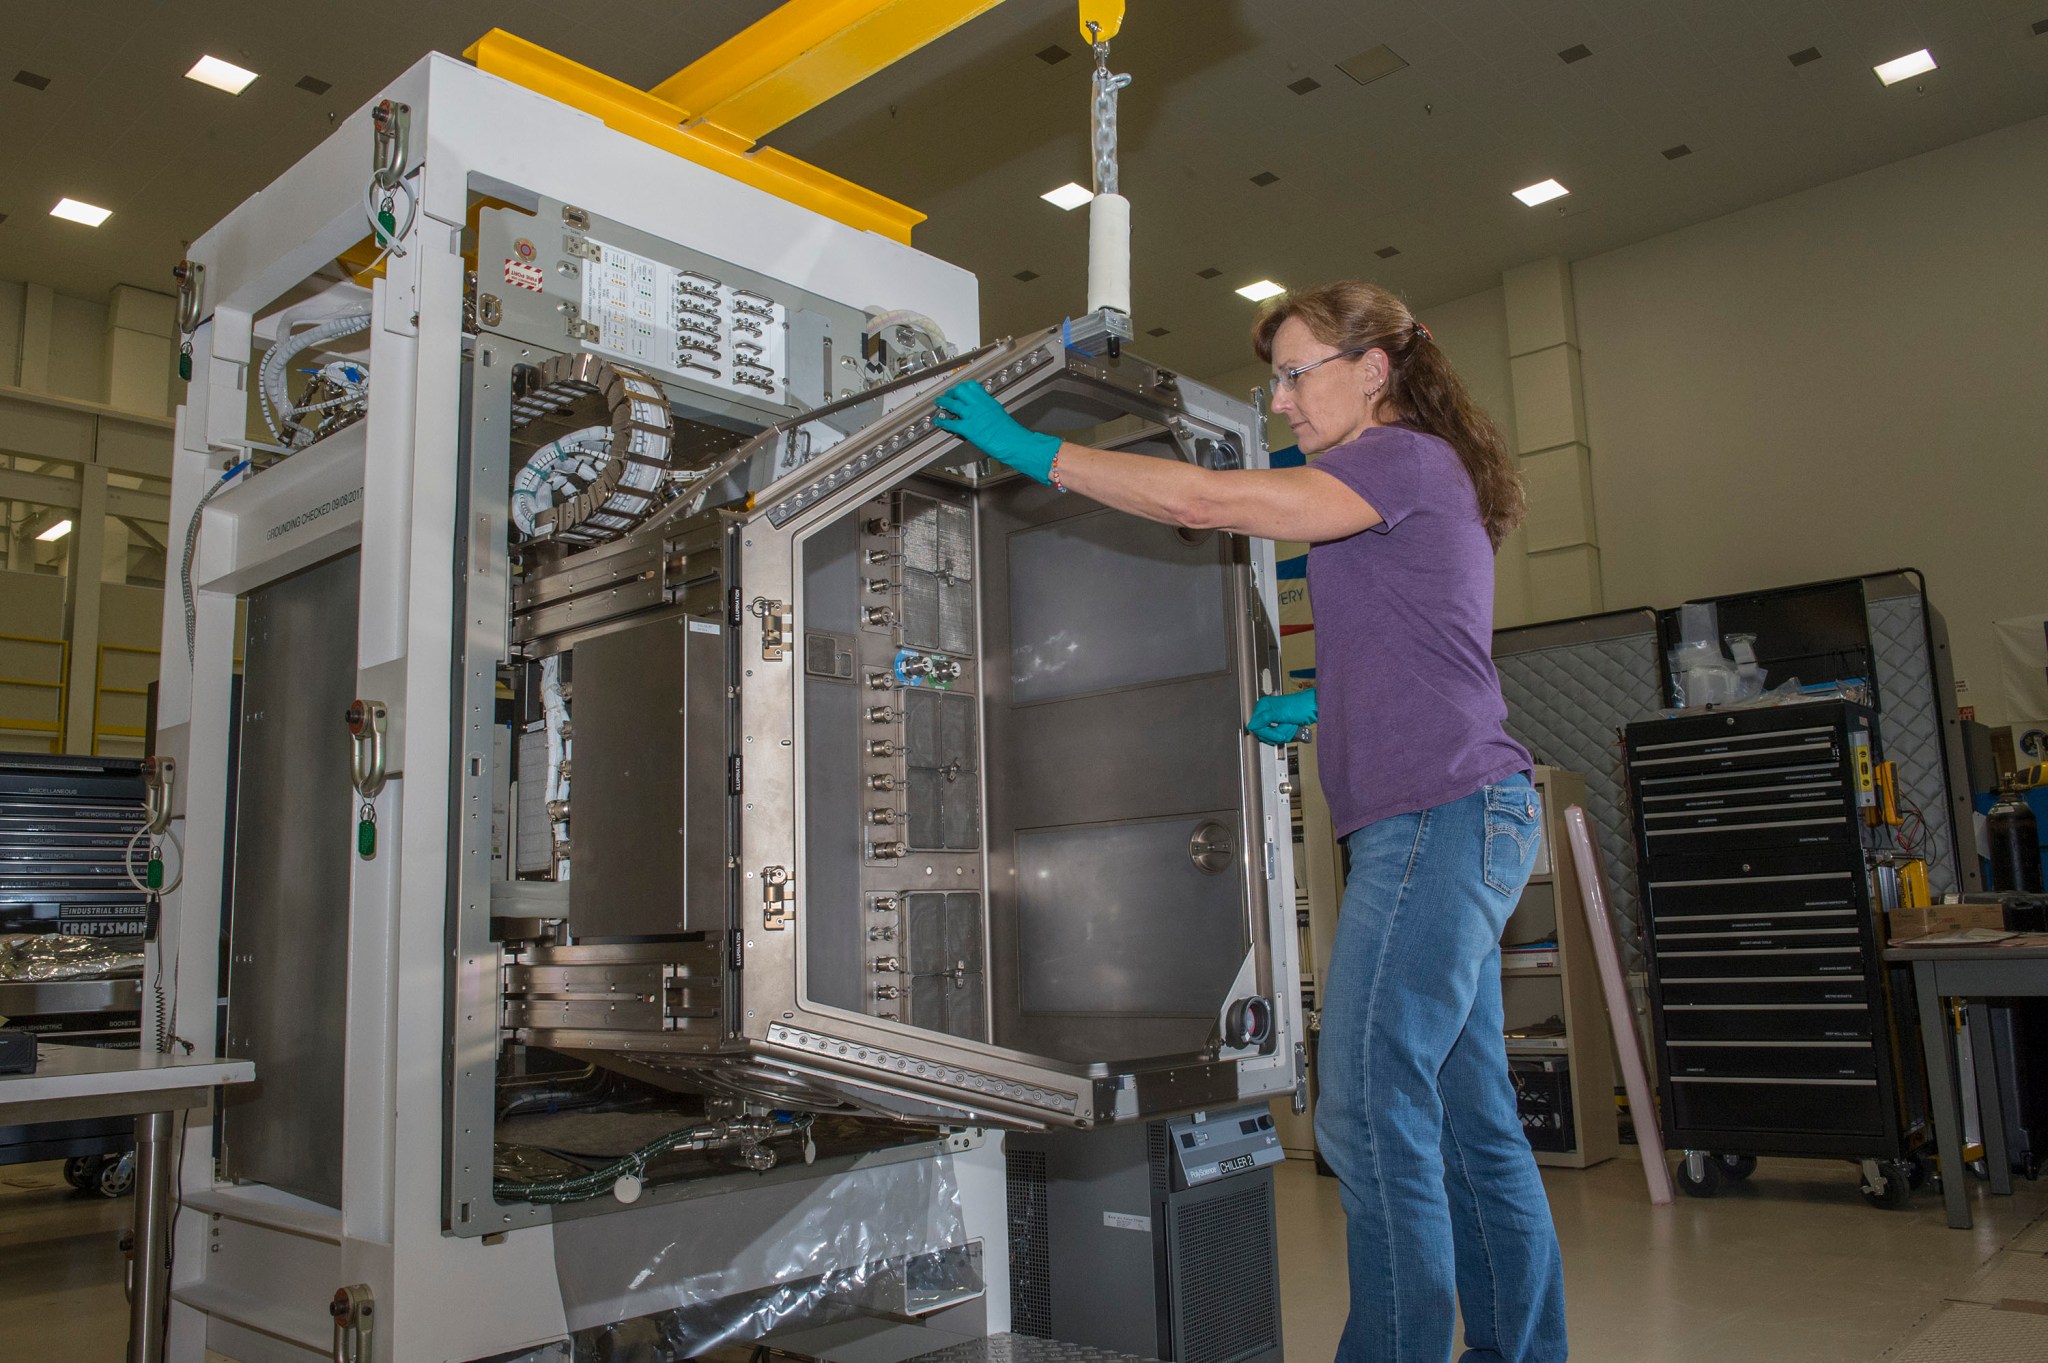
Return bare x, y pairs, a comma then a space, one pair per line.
1411, 494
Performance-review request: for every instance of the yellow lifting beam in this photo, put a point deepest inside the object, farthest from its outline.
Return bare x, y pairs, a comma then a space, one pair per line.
656, 121
801, 55
1106, 15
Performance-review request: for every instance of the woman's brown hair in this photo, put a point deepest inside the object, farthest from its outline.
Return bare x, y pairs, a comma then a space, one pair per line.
1423, 391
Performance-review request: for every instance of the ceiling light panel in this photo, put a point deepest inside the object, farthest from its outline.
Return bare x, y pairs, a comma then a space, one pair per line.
1069, 196
221, 75
1262, 290
72, 210
1906, 67
55, 532
1542, 192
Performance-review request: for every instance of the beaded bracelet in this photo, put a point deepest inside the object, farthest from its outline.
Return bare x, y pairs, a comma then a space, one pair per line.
1053, 475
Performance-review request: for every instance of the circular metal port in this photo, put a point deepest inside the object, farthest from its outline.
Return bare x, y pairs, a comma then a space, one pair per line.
1210, 848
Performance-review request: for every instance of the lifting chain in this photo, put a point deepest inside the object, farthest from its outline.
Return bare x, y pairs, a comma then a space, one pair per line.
1106, 88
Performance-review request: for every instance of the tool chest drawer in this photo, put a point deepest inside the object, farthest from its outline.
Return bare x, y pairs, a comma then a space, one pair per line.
1683, 936
1759, 961
1788, 988
1751, 1059
1744, 1021
1827, 924
1776, 883
1790, 1107
1677, 758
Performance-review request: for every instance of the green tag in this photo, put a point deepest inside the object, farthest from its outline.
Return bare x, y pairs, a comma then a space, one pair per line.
366, 838
154, 877
388, 221
185, 365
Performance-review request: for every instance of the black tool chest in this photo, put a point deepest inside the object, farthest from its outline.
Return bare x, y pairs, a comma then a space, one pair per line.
1776, 1017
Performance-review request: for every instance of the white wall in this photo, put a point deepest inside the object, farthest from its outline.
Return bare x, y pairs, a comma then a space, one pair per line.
120, 351
10, 332
78, 349
1473, 332
1839, 382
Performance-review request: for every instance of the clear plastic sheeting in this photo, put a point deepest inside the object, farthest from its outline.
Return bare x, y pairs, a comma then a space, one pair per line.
27, 957
666, 1283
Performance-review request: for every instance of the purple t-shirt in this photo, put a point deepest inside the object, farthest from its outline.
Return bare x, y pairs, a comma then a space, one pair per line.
1408, 702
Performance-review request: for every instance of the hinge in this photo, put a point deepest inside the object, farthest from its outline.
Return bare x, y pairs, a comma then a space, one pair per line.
780, 898
1272, 860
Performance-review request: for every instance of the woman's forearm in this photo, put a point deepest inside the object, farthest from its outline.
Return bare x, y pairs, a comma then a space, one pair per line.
1163, 490
1279, 504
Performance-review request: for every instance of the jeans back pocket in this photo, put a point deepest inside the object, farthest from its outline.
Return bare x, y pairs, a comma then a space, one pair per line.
1514, 830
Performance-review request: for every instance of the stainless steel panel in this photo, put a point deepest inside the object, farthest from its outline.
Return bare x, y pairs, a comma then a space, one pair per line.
938, 575
648, 789
1119, 919
946, 958
829, 909
21, 1000
294, 836
1100, 602
944, 770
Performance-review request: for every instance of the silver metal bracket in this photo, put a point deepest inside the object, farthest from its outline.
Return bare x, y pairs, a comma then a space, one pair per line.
779, 898
367, 720
1105, 329
777, 624
159, 774
353, 1312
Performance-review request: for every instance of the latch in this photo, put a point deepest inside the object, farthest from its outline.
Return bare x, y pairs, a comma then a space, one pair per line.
777, 624
191, 276
159, 774
352, 1311
779, 896
367, 720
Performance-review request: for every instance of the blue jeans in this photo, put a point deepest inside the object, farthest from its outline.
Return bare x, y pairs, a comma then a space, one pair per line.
1417, 1113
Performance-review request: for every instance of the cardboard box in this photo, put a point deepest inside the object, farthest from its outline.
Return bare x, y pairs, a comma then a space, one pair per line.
1907, 923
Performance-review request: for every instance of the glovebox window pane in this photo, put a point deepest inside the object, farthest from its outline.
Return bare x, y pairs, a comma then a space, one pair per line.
1095, 606
1121, 920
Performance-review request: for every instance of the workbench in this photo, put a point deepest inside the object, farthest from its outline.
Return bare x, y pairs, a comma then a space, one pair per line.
82, 1081
1973, 974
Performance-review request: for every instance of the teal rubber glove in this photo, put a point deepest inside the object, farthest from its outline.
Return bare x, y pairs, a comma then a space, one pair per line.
1280, 719
969, 412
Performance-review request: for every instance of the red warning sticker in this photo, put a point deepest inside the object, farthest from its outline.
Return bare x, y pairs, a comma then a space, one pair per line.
521, 275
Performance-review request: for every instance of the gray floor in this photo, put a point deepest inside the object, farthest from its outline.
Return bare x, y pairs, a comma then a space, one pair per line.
1792, 1268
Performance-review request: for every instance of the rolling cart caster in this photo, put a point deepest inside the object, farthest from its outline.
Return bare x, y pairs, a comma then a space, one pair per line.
1887, 1184
115, 1177
80, 1171
1700, 1173
1736, 1167
1919, 1169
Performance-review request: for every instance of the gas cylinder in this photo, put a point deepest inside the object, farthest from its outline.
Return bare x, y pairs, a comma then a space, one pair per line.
2015, 844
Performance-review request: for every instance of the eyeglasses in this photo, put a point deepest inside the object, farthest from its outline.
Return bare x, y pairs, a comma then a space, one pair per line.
1286, 378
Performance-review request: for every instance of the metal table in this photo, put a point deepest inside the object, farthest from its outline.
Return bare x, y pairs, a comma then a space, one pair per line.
80, 1081
1969, 973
